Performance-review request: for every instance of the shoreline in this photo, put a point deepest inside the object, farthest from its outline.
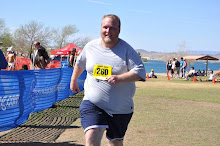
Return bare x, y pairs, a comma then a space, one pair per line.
165, 74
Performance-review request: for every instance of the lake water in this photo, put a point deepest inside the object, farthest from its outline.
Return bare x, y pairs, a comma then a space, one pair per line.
160, 66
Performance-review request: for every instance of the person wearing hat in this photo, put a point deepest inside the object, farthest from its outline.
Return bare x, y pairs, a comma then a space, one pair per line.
11, 59
3, 61
151, 74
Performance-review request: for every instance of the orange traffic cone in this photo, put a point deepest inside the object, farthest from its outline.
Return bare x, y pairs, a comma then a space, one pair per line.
168, 77
147, 76
194, 79
213, 80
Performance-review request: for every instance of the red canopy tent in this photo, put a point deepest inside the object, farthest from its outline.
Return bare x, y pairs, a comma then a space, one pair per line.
65, 50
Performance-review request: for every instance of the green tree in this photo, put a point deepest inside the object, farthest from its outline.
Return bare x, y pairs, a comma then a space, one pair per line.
5, 36
144, 59
7, 40
139, 54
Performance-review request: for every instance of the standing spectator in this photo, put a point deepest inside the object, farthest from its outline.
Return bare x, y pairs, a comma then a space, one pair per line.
173, 67
40, 57
72, 57
181, 66
169, 66
177, 64
11, 59
112, 67
3, 62
184, 67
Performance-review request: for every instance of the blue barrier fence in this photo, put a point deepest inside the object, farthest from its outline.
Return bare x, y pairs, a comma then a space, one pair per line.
26, 92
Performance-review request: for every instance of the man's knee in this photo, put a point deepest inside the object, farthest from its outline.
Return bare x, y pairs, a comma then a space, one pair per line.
115, 143
94, 136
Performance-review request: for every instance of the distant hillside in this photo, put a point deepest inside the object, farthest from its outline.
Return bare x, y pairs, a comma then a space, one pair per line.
205, 52
217, 56
152, 55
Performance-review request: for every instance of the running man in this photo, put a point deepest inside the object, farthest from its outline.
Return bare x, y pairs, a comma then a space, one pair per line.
112, 67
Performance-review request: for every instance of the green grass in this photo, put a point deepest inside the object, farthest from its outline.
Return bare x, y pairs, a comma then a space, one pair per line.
175, 112
180, 89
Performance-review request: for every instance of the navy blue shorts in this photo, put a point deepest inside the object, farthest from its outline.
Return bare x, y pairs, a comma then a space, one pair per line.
94, 117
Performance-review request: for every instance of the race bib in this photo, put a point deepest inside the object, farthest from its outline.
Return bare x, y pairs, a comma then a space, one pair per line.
101, 72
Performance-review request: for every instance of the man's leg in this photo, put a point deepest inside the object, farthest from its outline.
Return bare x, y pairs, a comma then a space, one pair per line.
181, 71
115, 143
184, 72
178, 72
94, 136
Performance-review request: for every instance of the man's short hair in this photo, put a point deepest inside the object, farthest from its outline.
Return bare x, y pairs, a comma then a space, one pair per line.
36, 43
114, 17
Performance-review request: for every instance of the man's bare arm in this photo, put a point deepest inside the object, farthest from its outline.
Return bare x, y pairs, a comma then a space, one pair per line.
77, 71
126, 77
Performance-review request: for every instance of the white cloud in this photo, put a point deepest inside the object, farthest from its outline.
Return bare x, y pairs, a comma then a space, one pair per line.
98, 2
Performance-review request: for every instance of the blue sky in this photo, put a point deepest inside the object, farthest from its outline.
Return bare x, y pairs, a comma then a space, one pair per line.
152, 25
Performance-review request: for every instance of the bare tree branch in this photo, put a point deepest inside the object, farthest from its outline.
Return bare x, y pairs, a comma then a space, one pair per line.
61, 36
28, 33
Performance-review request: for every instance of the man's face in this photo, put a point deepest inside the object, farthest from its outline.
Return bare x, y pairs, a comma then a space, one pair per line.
36, 45
110, 31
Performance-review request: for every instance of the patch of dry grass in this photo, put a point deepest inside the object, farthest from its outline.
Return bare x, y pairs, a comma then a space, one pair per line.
165, 115
180, 89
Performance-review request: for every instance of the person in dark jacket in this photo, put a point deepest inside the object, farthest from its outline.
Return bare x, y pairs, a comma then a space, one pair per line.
40, 57
72, 57
3, 62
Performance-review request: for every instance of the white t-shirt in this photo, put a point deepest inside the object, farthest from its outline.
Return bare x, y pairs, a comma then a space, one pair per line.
114, 99
211, 76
